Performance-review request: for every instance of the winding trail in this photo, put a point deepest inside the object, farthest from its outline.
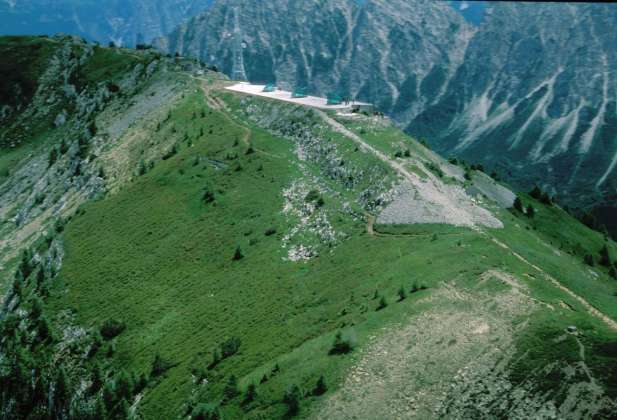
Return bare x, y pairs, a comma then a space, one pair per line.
414, 179
611, 323
216, 104
444, 203
428, 191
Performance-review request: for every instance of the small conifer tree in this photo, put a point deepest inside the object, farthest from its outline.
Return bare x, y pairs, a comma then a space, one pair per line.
518, 204
53, 156
536, 192
231, 388
238, 255
589, 260
605, 258
340, 345
320, 387
251, 393
291, 398
531, 212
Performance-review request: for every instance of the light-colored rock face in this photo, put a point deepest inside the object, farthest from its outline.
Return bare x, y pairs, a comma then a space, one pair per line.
367, 51
530, 92
536, 95
125, 22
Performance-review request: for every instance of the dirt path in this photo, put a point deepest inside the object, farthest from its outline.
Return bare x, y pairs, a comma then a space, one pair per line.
215, 103
400, 169
427, 200
370, 230
590, 308
370, 222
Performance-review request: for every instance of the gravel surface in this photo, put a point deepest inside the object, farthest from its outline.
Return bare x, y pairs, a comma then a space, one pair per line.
424, 200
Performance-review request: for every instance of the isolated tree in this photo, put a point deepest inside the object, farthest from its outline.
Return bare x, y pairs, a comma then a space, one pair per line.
231, 388
251, 393
291, 398
205, 412
159, 365
53, 156
37, 308
589, 260
589, 220
98, 378
230, 347
43, 329
142, 168
112, 328
531, 212
401, 294
208, 196
141, 383
62, 389
340, 345
536, 193
25, 266
216, 358
518, 204
605, 258
612, 272
63, 147
125, 385
320, 387
546, 199
97, 343
382, 303
109, 395
238, 255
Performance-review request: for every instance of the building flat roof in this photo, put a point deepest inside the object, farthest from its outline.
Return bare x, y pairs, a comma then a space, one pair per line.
282, 95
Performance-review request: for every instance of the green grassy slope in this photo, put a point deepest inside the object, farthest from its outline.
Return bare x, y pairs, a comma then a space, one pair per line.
160, 259
157, 256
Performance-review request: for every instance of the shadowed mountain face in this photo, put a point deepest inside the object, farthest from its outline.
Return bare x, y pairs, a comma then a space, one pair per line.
124, 22
530, 92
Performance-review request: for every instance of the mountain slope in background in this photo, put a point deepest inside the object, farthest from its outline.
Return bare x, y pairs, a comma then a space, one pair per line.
472, 11
125, 22
530, 92
170, 248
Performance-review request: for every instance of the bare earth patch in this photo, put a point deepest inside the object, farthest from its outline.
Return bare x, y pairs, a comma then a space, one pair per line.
451, 361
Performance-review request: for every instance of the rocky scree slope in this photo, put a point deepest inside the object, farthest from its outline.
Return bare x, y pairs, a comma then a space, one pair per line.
530, 92
63, 118
75, 128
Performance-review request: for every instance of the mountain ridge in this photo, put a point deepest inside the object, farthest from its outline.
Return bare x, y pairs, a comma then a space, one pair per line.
172, 249
520, 81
